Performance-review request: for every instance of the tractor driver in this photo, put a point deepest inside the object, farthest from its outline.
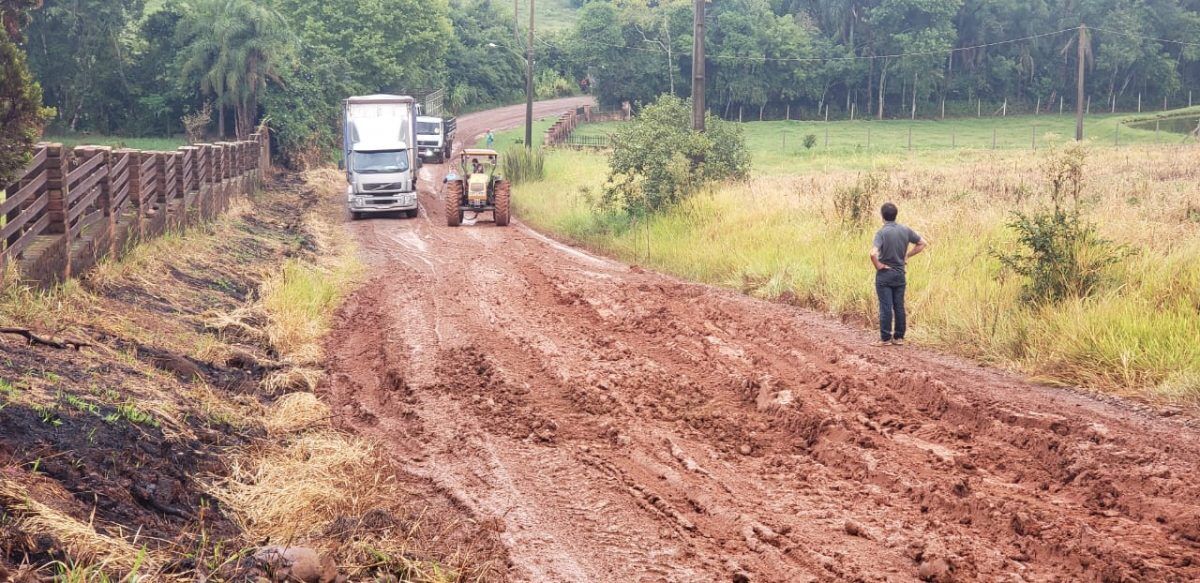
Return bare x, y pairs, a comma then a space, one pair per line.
476, 166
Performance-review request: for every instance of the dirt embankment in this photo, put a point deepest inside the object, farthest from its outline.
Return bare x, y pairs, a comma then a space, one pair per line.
617, 425
184, 437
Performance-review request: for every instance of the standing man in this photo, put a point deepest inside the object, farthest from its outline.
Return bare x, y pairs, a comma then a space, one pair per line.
889, 253
491, 138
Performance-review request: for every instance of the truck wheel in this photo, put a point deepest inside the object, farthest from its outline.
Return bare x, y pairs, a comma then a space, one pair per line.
454, 190
503, 197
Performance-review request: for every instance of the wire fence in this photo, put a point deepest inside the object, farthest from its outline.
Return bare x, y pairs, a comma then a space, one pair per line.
882, 136
588, 141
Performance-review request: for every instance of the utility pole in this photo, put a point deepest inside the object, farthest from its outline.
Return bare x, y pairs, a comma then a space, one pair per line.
529, 84
697, 67
1078, 82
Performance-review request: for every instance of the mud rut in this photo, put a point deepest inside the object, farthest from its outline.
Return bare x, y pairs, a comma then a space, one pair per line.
615, 425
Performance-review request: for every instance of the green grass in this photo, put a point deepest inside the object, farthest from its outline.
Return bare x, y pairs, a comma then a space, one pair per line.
552, 15
777, 147
73, 140
777, 236
598, 129
513, 137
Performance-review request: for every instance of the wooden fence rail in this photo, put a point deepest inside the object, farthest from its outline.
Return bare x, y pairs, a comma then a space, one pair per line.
69, 208
563, 130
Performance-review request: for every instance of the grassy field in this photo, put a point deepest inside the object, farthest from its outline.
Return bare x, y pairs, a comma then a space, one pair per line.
778, 147
72, 140
777, 236
551, 15
510, 138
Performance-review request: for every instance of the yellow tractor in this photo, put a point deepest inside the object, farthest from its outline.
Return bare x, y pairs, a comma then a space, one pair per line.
475, 186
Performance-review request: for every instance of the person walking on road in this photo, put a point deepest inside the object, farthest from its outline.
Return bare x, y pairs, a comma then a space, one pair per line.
491, 138
889, 254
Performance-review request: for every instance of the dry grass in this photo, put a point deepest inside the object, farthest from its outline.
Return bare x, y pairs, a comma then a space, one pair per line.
77, 538
299, 299
779, 236
337, 494
171, 294
296, 412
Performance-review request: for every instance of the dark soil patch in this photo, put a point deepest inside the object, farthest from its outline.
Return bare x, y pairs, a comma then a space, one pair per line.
116, 432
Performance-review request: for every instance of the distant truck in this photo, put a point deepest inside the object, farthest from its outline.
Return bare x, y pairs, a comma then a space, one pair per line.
435, 138
379, 156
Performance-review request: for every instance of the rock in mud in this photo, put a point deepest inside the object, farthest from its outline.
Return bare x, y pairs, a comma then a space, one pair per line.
936, 570
292, 564
853, 528
246, 360
180, 366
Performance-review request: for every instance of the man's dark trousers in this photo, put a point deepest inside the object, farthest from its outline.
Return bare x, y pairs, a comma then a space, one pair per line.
889, 286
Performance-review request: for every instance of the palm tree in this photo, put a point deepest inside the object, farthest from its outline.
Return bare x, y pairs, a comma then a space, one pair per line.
232, 49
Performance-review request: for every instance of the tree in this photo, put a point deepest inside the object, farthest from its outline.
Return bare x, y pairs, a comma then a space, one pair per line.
20, 96
388, 45
757, 54
231, 49
658, 160
481, 65
921, 28
608, 42
80, 52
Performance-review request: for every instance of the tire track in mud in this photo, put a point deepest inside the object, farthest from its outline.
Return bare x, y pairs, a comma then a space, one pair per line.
614, 425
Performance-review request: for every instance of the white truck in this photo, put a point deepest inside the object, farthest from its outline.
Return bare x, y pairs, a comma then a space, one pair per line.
435, 138
381, 162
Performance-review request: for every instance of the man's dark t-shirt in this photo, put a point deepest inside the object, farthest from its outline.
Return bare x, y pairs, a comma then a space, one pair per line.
892, 240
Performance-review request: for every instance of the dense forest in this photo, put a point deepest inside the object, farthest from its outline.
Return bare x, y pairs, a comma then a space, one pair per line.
137, 67
882, 55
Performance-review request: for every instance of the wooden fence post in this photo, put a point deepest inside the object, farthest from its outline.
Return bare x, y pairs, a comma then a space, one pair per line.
136, 191
163, 196
204, 177
219, 194
253, 160
106, 200
58, 160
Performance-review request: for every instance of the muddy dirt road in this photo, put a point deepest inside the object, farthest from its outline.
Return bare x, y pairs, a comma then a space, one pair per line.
616, 425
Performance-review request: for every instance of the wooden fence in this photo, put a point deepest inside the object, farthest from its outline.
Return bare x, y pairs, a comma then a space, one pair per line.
561, 133
69, 208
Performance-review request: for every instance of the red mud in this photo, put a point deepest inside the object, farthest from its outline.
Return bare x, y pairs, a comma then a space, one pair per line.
616, 425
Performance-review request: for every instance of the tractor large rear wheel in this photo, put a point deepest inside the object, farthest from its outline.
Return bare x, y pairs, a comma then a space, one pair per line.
503, 198
454, 191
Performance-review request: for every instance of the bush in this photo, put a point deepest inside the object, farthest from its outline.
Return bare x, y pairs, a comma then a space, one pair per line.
855, 204
1061, 254
658, 161
549, 85
520, 165
809, 141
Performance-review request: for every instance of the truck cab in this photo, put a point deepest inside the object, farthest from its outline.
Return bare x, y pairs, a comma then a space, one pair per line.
435, 138
380, 179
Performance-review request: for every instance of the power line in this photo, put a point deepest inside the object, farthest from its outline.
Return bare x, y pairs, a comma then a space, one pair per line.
1149, 38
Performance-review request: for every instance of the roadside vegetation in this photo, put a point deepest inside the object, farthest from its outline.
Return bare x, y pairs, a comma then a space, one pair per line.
184, 439
1124, 318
